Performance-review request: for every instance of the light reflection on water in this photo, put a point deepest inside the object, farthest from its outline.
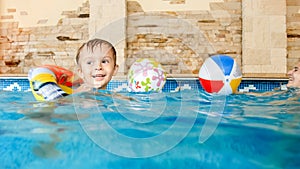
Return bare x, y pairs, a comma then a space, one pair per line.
255, 131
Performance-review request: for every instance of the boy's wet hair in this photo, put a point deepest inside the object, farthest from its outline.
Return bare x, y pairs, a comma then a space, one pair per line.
92, 44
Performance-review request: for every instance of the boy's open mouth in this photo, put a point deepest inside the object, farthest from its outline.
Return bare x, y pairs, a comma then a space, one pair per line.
98, 75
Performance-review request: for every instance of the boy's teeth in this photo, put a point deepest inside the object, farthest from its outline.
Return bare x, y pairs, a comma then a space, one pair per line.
98, 76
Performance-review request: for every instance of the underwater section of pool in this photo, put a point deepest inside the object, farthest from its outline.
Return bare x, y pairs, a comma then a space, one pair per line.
182, 129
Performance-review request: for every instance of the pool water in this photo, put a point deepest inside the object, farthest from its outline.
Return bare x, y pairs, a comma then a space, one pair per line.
185, 129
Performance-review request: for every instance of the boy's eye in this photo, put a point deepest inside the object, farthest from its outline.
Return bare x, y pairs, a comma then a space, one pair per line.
296, 69
105, 61
89, 62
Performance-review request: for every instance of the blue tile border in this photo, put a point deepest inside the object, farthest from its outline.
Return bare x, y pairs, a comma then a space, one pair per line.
262, 85
22, 84
14, 84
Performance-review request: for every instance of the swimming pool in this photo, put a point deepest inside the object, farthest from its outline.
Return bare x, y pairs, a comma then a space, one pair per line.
182, 129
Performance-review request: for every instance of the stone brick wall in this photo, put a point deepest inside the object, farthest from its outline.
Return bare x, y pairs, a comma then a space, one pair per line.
264, 38
293, 32
23, 48
181, 40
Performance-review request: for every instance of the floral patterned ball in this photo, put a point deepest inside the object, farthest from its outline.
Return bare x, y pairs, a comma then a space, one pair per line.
146, 75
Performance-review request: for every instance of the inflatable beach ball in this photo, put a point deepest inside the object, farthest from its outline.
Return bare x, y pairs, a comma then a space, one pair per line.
220, 74
146, 75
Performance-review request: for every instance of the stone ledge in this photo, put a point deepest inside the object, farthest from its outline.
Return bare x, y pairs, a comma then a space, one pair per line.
265, 75
13, 75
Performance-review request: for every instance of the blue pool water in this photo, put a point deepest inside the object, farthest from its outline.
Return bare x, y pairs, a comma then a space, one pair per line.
186, 129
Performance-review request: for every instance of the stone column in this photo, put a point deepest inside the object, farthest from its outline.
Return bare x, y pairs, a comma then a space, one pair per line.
264, 38
108, 21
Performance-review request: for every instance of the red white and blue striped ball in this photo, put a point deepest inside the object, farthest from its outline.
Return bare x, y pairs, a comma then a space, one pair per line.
220, 74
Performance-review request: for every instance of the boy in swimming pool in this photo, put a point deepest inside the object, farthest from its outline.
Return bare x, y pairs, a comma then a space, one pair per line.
293, 82
96, 64
294, 77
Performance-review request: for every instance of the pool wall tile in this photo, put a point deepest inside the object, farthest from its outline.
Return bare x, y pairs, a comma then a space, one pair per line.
171, 85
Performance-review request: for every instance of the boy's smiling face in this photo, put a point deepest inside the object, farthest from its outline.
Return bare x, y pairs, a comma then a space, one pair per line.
294, 76
96, 67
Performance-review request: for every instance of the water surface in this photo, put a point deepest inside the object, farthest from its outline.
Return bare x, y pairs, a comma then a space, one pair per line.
186, 129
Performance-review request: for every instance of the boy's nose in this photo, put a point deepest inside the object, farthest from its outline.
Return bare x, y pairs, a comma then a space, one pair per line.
99, 67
